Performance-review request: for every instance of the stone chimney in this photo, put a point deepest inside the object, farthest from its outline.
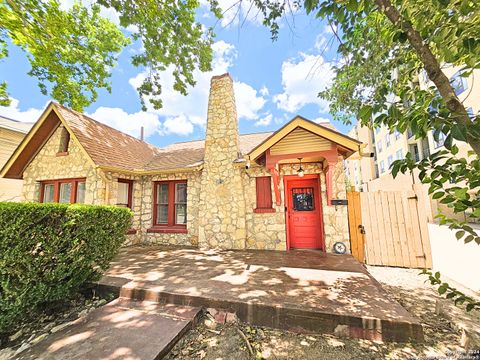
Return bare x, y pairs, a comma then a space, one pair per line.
222, 201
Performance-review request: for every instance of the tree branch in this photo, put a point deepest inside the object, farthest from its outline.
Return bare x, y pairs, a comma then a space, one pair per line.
432, 67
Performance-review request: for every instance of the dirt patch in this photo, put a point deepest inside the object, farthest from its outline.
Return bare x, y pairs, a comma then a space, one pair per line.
443, 336
51, 319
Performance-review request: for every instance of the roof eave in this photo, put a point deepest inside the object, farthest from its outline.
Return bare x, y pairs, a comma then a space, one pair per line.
335, 136
141, 172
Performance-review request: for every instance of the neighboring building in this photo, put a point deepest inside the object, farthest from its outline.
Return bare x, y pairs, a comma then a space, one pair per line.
258, 191
361, 169
12, 133
389, 146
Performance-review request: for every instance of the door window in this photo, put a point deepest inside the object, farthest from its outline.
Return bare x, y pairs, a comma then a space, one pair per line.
303, 199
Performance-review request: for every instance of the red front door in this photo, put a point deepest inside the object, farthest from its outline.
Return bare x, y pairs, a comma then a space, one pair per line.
304, 214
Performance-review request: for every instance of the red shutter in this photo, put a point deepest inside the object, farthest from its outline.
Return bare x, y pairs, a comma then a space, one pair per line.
264, 194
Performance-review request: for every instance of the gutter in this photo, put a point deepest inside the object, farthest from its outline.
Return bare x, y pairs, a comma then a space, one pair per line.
142, 172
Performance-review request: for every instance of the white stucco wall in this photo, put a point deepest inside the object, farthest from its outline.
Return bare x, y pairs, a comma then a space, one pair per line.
453, 258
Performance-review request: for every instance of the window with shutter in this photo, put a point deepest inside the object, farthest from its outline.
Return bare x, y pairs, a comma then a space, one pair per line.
264, 195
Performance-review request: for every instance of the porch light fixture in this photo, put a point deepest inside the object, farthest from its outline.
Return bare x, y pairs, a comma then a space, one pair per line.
300, 171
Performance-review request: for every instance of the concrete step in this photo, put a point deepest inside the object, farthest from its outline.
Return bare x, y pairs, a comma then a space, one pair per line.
287, 316
122, 329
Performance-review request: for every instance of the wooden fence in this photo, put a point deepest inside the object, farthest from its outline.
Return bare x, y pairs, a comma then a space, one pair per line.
389, 228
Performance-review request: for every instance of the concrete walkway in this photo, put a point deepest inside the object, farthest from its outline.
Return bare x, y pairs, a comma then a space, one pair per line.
122, 329
305, 291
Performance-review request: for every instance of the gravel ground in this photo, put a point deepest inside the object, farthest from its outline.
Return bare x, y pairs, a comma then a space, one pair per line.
443, 335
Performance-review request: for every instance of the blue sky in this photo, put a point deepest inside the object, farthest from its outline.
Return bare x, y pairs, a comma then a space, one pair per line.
273, 81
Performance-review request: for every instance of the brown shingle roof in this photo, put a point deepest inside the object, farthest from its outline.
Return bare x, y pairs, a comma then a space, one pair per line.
105, 145
190, 153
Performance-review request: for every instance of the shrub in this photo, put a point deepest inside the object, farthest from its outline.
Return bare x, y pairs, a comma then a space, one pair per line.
48, 251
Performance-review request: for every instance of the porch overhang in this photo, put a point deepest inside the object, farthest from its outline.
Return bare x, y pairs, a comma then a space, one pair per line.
302, 138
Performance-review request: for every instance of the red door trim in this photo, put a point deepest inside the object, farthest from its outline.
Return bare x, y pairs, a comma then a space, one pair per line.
286, 179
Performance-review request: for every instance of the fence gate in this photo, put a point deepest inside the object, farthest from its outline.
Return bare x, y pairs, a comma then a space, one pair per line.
394, 226
357, 239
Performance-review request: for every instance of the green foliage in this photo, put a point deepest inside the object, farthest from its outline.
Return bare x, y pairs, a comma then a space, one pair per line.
449, 292
48, 251
70, 51
172, 39
73, 51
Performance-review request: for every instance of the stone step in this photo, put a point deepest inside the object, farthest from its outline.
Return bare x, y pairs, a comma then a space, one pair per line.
121, 329
285, 316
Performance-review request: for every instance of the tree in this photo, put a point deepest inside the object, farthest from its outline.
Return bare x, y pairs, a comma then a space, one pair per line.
72, 51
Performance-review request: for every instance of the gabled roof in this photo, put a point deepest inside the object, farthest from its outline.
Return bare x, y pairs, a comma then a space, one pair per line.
346, 144
111, 149
105, 145
102, 145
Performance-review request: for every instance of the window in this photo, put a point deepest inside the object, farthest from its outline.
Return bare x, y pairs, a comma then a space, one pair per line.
264, 194
379, 145
441, 140
390, 160
396, 134
414, 152
303, 199
399, 154
470, 113
387, 140
67, 191
459, 83
382, 167
64, 142
170, 210
124, 193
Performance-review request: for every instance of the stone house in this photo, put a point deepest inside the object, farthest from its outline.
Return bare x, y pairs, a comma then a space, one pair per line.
275, 191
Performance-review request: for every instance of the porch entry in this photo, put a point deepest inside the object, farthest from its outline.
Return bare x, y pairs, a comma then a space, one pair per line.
304, 213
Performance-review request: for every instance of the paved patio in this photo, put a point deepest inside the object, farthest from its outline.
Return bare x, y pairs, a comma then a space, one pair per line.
305, 291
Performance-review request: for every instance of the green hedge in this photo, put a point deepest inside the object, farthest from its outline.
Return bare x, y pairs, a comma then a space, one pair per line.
48, 251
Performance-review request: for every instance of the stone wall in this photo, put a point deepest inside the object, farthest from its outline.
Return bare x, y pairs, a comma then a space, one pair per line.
267, 231
335, 217
48, 166
222, 202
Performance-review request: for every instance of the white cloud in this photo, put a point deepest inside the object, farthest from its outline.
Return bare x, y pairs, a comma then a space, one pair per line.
128, 123
13, 112
302, 80
266, 120
177, 125
264, 91
192, 109
247, 101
